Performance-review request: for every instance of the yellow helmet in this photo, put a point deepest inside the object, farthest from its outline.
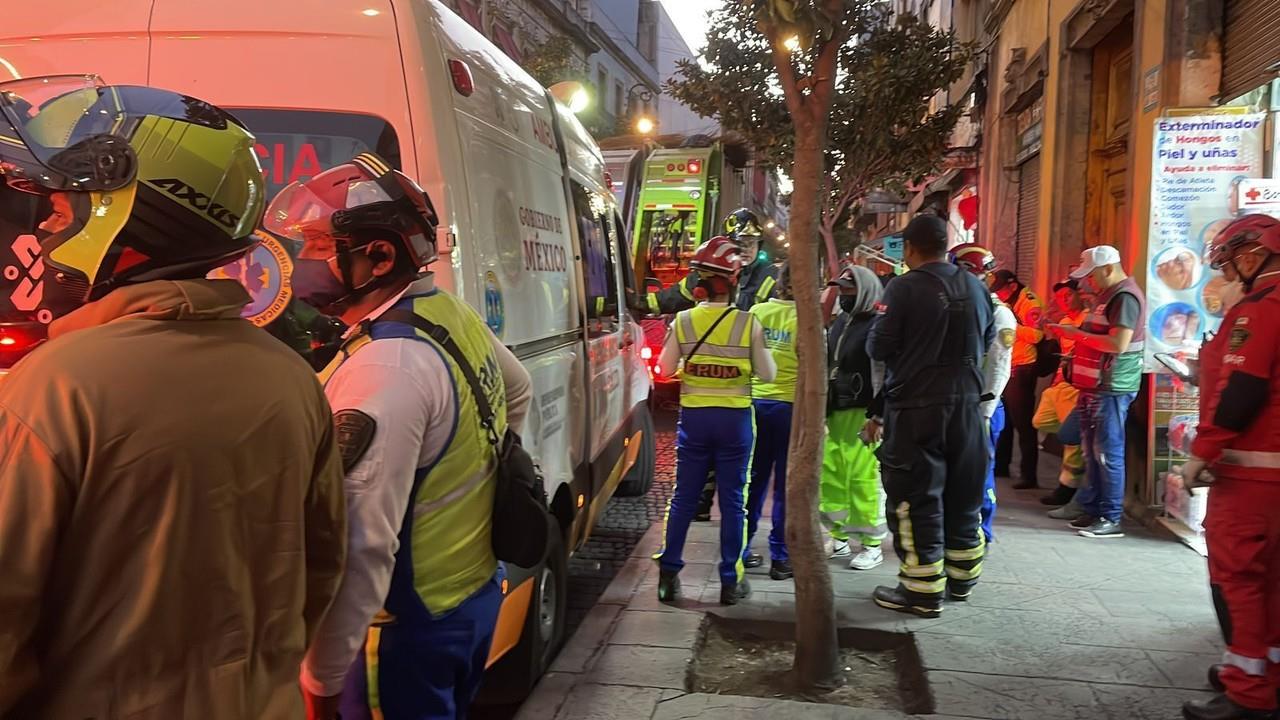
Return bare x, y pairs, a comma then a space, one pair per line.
140, 184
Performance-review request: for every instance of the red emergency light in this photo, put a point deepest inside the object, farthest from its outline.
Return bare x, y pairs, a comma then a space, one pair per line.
16, 340
695, 167
462, 80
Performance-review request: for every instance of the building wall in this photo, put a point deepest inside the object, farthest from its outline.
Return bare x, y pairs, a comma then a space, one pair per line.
674, 116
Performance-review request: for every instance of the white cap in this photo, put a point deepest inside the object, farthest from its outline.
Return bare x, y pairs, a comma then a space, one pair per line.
1094, 258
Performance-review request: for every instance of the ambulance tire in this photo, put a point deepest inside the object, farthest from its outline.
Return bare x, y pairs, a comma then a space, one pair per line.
512, 678
639, 478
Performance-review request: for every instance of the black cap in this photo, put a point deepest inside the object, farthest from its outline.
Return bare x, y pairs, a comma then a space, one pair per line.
926, 232
1067, 283
1003, 278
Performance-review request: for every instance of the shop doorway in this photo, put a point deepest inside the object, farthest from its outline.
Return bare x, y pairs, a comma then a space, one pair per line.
1107, 206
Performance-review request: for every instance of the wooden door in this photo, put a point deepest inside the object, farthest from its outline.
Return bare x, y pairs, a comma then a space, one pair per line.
1107, 204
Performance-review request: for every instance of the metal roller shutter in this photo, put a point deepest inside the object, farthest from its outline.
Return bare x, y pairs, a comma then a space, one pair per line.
1251, 46
1028, 220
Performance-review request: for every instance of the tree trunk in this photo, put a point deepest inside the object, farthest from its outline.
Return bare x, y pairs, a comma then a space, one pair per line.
817, 661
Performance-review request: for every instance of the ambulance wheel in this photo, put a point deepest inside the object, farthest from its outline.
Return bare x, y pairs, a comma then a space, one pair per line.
640, 477
512, 678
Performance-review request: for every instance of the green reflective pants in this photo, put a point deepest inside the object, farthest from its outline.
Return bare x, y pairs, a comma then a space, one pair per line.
853, 501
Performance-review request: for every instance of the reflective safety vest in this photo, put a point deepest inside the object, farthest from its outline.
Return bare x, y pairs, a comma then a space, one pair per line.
778, 321
719, 373
445, 538
1103, 372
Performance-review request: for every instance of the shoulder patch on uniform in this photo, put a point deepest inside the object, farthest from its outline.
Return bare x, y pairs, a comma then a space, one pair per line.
1239, 336
1006, 337
1034, 316
354, 430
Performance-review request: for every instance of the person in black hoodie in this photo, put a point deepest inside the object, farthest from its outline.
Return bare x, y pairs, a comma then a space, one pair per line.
852, 498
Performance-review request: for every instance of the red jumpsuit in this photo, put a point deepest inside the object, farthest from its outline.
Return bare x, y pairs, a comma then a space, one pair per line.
1239, 436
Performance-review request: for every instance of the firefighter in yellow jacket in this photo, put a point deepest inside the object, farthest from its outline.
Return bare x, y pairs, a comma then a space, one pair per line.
721, 347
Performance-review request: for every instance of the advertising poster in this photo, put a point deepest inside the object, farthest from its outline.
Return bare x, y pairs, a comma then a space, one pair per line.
1199, 161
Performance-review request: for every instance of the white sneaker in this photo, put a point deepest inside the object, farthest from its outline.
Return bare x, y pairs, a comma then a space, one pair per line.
838, 548
868, 558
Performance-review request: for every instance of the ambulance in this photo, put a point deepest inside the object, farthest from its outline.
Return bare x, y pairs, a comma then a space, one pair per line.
531, 235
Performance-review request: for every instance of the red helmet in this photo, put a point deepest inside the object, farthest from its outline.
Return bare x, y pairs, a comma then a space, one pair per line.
363, 194
1255, 228
974, 258
717, 256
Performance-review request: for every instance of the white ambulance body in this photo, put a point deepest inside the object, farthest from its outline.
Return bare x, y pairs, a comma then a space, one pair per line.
531, 238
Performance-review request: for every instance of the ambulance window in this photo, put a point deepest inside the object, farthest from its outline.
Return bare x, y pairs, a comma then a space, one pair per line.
624, 259
298, 144
598, 256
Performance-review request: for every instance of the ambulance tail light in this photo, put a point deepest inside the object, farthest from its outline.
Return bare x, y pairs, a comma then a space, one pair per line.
694, 166
462, 80
18, 339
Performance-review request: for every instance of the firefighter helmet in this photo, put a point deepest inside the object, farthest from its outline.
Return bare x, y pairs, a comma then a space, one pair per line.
973, 257
718, 256
142, 184
1253, 228
742, 222
365, 194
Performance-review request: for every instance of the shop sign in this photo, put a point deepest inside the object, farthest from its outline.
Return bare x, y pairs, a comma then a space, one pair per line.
1258, 196
1199, 161
1030, 128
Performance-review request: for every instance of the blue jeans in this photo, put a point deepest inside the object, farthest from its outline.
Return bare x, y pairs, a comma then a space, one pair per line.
989, 492
720, 439
773, 439
1102, 440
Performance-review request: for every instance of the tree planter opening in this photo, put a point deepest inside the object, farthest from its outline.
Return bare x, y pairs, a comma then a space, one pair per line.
881, 670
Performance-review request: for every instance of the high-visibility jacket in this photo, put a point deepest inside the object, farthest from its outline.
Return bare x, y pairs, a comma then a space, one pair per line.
1103, 372
1029, 311
778, 321
756, 284
446, 539
719, 373
1239, 428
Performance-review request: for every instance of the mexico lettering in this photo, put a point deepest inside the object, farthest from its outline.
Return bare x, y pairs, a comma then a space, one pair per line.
542, 256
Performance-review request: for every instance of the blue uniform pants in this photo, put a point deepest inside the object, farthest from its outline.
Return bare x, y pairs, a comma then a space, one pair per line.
707, 439
989, 491
1102, 440
773, 439
419, 667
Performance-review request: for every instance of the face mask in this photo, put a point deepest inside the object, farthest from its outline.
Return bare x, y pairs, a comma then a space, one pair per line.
848, 303
1231, 294
315, 285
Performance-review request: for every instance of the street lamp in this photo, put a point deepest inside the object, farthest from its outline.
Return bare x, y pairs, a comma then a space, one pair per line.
573, 94
644, 124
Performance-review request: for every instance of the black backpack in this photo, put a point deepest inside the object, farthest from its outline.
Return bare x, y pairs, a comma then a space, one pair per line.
521, 524
1048, 356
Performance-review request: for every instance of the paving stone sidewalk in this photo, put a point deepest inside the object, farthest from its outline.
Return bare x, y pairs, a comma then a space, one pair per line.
1061, 627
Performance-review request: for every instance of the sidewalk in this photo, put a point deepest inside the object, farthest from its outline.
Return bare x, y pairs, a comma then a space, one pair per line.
1061, 627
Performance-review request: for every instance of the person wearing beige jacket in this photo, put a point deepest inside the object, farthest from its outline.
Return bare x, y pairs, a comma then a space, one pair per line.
172, 522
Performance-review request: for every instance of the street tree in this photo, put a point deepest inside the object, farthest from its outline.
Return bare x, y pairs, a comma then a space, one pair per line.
839, 94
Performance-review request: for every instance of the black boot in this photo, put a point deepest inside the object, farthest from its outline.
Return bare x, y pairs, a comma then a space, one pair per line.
1221, 707
752, 560
733, 594
902, 601
1027, 483
956, 593
668, 586
781, 570
1060, 496
703, 513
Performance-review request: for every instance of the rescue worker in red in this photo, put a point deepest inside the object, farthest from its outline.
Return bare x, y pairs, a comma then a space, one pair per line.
1238, 440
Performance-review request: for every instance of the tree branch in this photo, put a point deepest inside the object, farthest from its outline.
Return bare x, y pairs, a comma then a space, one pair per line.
786, 76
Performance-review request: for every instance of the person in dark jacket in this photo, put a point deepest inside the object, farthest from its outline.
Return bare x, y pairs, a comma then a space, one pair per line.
756, 282
852, 499
933, 335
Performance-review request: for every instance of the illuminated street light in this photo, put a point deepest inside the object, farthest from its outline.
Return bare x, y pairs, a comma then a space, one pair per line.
370, 13
573, 94
792, 43
782, 236
770, 225
645, 125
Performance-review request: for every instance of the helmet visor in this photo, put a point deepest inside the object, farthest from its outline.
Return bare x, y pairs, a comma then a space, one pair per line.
72, 132
300, 214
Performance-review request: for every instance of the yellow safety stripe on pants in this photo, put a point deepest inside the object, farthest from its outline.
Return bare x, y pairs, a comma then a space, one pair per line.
976, 553
766, 287
751, 454
906, 536
921, 571
924, 587
956, 573
371, 671
1256, 667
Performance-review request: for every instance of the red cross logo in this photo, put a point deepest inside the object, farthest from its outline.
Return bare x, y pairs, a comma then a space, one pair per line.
1253, 194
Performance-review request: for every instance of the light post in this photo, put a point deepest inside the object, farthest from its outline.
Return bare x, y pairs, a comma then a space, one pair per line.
644, 124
